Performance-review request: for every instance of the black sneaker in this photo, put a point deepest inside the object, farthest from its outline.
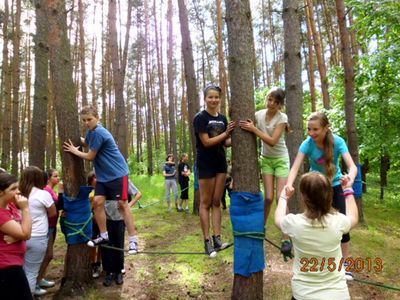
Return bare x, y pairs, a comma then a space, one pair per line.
119, 278
107, 280
218, 244
209, 249
286, 249
96, 242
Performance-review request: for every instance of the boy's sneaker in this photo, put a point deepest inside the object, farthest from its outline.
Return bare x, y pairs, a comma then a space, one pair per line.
119, 278
107, 280
133, 248
218, 244
98, 241
46, 283
187, 210
209, 249
347, 273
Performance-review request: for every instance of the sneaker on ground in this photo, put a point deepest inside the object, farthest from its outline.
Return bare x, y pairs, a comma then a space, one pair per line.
347, 273
286, 246
209, 249
218, 244
123, 271
133, 248
96, 272
46, 283
96, 242
107, 280
187, 210
39, 291
119, 278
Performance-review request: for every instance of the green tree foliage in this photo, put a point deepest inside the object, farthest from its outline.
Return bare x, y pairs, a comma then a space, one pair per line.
378, 94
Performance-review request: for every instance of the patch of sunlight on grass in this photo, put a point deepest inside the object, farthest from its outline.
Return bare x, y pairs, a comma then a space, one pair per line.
190, 278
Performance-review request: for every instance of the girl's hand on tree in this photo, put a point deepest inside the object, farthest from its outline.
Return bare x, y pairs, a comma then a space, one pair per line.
247, 125
285, 195
69, 147
231, 127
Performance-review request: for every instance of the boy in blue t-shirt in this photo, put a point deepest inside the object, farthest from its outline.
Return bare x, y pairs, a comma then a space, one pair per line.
111, 172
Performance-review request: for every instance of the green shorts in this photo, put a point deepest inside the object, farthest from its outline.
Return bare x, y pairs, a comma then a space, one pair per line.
276, 166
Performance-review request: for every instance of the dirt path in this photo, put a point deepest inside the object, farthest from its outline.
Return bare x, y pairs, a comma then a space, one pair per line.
160, 276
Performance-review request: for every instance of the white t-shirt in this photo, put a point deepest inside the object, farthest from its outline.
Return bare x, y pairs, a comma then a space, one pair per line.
279, 149
313, 242
39, 202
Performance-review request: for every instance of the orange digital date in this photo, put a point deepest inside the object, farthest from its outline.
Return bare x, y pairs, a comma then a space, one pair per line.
351, 264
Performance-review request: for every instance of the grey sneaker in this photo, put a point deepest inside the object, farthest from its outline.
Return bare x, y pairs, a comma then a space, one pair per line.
209, 249
218, 244
96, 242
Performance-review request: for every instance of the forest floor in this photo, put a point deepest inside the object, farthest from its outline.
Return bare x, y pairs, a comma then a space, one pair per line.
197, 276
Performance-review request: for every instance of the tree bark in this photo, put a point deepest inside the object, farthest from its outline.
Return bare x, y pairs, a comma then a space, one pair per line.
6, 69
77, 272
320, 56
191, 89
245, 171
81, 11
293, 85
40, 98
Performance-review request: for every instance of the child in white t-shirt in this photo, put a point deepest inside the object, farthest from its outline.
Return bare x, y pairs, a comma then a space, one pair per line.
319, 266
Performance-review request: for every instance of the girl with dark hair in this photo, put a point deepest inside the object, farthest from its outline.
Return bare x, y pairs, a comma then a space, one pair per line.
183, 178
15, 229
53, 179
213, 133
270, 127
318, 267
171, 188
41, 207
323, 148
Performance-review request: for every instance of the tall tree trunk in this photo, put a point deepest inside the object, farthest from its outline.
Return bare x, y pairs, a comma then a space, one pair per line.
81, 10
40, 98
191, 89
149, 122
310, 67
348, 66
118, 81
293, 84
221, 59
245, 171
170, 76
6, 121
77, 272
320, 56
15, 87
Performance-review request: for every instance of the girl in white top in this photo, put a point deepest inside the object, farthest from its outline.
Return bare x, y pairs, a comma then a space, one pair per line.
41, 206
270, 127
318, 267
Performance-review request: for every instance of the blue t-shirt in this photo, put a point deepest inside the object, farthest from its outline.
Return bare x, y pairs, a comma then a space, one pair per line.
317, 159
109, 164
169, 170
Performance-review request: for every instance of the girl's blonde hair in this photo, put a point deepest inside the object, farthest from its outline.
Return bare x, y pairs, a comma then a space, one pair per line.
328, 143
316, 193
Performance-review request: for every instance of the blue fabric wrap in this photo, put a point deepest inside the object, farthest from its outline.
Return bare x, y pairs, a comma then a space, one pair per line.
78, 217
357, 185
196, 177
247, 216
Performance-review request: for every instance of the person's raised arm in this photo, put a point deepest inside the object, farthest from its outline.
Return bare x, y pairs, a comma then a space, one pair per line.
280, 211
294, 170
351, 206
69, 147
351, 168
266, 138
